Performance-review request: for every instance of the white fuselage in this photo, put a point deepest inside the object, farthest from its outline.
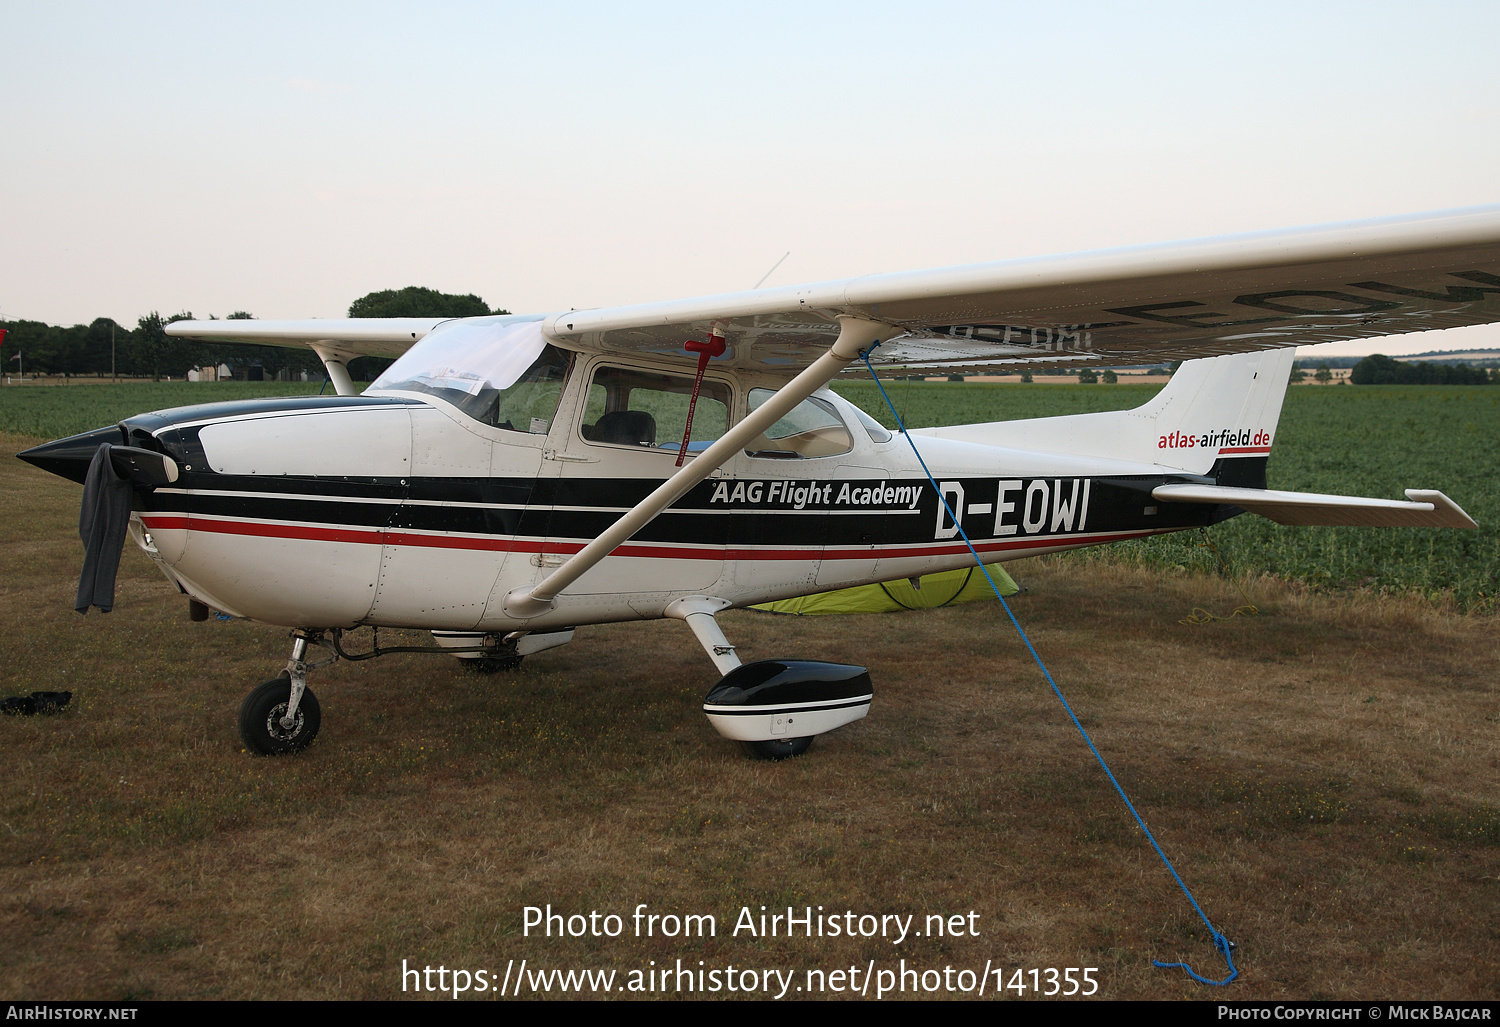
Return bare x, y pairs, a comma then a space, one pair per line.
409, 513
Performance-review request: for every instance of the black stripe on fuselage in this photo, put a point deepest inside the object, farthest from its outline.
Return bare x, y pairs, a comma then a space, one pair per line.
839, 513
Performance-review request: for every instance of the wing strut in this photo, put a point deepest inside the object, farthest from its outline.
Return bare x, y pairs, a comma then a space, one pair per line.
854, 335
337, 366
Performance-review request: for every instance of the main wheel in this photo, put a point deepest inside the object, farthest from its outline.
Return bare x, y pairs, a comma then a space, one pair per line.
778, 748
260, 719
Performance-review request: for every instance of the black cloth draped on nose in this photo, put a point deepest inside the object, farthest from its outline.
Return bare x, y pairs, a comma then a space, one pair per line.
102, 522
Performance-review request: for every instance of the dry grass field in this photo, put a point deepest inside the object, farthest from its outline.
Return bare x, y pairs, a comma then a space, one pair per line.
1326, 777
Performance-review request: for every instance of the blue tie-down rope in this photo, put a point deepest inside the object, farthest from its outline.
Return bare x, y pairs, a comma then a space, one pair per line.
1223, 944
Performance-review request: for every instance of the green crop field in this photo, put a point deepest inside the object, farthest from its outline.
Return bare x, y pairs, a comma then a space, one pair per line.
53, 411
1371, 440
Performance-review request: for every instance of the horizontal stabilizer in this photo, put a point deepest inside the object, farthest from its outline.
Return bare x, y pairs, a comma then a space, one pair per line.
1426, 509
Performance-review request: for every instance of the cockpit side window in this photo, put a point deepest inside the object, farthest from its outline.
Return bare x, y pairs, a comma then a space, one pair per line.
636, 407
812, 428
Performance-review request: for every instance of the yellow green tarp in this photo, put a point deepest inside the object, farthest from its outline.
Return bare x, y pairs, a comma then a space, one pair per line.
946, 588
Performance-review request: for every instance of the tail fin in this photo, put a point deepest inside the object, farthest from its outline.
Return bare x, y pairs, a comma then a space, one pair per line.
1217, 416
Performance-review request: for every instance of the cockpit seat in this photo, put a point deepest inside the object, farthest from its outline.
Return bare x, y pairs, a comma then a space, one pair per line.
625, 428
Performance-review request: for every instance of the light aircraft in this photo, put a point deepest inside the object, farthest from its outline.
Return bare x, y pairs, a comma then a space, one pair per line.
511, 478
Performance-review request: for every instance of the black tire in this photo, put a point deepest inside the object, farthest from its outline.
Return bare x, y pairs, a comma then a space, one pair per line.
491, 664
778, 748
260, 719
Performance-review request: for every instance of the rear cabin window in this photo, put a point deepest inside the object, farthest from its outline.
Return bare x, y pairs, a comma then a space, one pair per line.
873, 428
649, 410
810, 429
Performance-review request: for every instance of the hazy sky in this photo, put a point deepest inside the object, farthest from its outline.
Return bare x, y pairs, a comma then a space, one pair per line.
288, 158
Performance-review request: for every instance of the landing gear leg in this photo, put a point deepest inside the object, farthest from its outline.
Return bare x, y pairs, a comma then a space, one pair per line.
698, 612
282, 716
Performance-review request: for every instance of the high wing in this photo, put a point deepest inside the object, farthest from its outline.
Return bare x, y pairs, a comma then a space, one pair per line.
1137, 305
1146, 304
336, 340
357, 336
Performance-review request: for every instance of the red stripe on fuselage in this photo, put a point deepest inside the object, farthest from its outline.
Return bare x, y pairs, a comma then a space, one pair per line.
378, 536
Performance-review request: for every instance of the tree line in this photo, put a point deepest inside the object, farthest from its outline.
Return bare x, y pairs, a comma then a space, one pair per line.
1379, 369
147, 351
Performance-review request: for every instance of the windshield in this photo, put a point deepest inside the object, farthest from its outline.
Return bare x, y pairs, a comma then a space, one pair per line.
504, 374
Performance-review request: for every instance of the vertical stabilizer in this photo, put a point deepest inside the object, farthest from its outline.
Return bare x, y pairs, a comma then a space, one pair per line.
1217, 415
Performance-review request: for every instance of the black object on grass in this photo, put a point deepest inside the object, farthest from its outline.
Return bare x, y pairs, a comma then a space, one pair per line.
36, 702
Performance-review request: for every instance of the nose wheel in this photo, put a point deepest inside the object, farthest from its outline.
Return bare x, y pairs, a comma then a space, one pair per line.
263, 719
282, 715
